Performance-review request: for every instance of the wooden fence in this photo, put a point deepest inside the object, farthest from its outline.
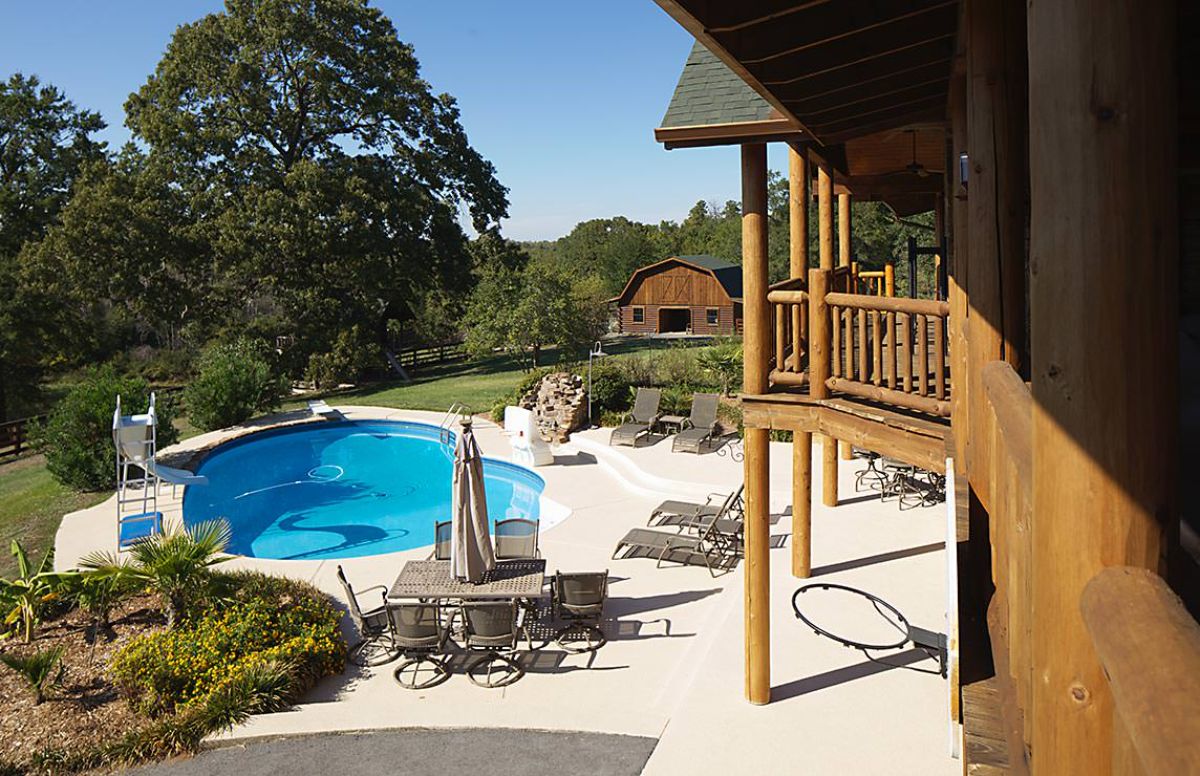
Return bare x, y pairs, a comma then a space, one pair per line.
14, 436
413, 358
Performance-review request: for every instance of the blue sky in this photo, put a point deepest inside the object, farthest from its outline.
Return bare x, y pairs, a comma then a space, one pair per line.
561, 96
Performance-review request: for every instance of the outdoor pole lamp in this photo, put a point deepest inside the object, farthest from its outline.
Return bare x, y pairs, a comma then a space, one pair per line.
594, 353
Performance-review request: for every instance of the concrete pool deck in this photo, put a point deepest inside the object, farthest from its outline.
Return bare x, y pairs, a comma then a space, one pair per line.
672, 669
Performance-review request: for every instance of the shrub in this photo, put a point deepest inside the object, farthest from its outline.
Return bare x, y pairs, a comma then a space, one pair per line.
610, 389
352, 354
26, 596
724, 362
41, 670
98, 594
228, 660
235, 382
176, 564
527, 383
77, 437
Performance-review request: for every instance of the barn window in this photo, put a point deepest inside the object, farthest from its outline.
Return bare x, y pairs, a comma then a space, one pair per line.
713, 316
639, 315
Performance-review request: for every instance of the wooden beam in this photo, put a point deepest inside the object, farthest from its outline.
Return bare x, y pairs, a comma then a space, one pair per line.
829, 485
882, 433
1103, 146
874, 42
822, 24
839, 75
888, 115
757, 337
918, 92
890, 82
996, 205
931, 116
702, 135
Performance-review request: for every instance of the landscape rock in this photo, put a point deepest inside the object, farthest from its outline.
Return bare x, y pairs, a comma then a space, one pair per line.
559, 405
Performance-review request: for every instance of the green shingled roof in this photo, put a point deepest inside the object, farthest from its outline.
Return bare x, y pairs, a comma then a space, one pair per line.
710, 93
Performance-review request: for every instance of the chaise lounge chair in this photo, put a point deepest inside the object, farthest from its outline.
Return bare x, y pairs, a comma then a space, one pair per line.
643, 419
718, 547
700, 428
689, 513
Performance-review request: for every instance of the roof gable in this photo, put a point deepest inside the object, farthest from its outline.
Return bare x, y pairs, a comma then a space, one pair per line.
729, 275
710, 93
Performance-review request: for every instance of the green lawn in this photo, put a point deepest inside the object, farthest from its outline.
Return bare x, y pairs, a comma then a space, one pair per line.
31, 507
479, 384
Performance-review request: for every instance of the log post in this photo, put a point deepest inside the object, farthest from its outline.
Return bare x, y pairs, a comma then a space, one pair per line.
843, 217
1103, 149
996, 131
958, 275
757, 347
801, 504
798, 200
825, 232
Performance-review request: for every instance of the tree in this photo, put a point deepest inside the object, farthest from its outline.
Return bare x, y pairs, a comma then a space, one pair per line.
44, 143
327, 175
523, 309
609, 248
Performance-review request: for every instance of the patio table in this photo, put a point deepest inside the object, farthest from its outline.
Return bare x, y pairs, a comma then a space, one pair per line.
431, 579
675, 421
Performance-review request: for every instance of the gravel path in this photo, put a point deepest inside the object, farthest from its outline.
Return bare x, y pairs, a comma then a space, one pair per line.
421, 752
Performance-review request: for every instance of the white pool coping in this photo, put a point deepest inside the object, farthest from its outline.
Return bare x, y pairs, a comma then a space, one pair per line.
673, 666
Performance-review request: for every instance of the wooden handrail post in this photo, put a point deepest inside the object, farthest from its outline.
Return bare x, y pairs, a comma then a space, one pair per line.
757, 347
889, 279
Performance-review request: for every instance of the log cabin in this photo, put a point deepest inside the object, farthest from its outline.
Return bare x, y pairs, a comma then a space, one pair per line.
682, 294
1056, 144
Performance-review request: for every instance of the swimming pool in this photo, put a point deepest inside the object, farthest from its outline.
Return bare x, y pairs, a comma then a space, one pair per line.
343, 489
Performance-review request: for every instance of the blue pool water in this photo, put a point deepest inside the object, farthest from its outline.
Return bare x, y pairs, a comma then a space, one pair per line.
343, 489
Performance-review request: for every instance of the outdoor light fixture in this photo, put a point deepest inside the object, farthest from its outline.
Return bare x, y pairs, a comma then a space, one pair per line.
963, 167
594, 353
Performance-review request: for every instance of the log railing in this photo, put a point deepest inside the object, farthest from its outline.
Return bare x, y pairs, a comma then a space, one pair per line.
790, 302
889, 350
1006, 490
1149, 647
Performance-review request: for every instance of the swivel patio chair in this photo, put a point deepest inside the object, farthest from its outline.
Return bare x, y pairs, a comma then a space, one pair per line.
419, 636
493, 628
700, 428
642, 420
901, 483
578, 598
441, 540
516, 539
375, 646
872, 477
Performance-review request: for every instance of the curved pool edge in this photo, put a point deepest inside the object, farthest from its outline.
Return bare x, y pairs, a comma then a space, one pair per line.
550, 512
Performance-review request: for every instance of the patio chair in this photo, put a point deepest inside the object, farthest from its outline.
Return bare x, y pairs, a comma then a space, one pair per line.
717, 547
419, 635
872, 477
375, 646
493, 628
690, 513
701, 426
578, 598
441, 540
516, 538
642, 420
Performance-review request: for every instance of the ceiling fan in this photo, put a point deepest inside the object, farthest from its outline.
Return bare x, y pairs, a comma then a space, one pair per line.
914, 167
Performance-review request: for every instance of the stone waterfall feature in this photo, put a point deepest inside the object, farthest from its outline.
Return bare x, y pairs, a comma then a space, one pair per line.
559, 405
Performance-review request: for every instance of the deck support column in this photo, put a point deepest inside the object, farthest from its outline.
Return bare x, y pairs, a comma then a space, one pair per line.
757, 350
799, 197
829, 462
843, 218
1104, 256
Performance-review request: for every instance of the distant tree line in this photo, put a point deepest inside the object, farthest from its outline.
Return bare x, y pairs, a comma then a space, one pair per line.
612, 248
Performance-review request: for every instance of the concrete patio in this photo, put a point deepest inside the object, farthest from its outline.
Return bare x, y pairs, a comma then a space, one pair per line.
672, 669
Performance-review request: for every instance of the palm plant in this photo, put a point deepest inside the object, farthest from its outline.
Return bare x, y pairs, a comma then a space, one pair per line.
26, 595
98, 594
723, 361
176, 564
41, 669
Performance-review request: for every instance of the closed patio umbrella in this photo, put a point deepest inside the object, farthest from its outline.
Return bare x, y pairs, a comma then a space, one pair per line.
471, 553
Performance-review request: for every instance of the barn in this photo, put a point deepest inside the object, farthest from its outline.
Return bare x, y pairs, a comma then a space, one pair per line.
684, 294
